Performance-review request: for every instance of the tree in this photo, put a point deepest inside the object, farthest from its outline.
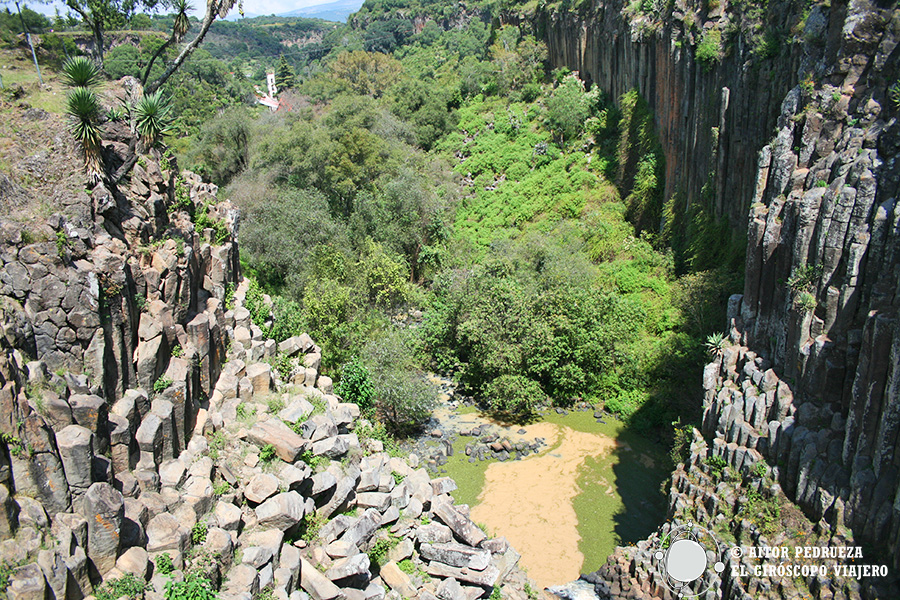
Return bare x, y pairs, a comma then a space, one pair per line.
102, 15
284, 75
214, 9
180, 27
369, 73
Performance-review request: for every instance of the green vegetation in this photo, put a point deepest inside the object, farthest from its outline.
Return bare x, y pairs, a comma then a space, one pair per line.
194, 587
379, 550
83, 110
312, 523
153, 118
314, 461
128, 585
355, 385
717, 466
6, 572
267, 454
764, 512
164, 563
709, 50
198, 533
162, 384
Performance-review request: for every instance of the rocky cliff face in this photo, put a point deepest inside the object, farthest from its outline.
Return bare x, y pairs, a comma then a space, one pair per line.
712, 116
146, 436
801, 404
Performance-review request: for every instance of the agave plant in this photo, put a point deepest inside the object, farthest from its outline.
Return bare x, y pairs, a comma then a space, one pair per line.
80, 71
152, 117
716, 343
84, 113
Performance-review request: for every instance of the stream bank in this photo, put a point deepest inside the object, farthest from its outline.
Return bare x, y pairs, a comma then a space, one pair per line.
565, 490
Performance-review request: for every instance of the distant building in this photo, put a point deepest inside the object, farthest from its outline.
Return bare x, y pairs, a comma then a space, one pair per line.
270, 81
267, 99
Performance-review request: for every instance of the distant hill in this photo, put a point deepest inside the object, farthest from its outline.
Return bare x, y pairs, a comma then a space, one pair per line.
332, 11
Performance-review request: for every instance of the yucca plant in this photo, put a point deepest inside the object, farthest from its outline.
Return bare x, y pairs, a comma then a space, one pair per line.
152, 117
716, 343
80, 71
84, 114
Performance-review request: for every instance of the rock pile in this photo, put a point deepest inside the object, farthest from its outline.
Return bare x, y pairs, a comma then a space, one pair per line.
154, 441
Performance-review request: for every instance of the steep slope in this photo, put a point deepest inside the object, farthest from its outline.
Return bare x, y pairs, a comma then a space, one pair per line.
809, 379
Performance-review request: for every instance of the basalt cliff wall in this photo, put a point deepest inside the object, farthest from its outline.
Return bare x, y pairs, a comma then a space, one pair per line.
802, 402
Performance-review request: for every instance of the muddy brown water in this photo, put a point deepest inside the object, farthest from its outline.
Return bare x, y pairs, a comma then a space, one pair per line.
530, 502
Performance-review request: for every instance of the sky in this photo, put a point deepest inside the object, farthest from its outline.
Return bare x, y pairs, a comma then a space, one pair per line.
251, 7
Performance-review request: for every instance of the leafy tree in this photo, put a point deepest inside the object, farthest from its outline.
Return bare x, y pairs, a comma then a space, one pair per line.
214, 9
180, 26
284, 75
102, 15
222, 151
123, 60
514, 397
355, 384
404, 399
368, 73
568, 108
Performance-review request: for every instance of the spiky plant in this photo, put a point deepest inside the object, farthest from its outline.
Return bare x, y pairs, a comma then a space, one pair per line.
80, 71
182, 23
716, 343
84, 114
152, 117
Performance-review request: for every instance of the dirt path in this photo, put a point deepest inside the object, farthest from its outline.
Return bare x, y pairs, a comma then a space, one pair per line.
530, 502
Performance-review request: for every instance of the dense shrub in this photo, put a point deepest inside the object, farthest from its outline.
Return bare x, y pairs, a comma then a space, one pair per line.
514, 396
403, 398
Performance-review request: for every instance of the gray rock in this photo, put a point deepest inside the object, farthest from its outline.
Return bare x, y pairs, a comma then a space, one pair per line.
134, 560
486, 578
106, 507
449, 589
333, 447
164, 532
27, 583
288, 445
228, 516
461, 525
397, 580
351, 566
456, 555
434, 533
261, 487
283, 511
376, 500
317, 585
360, 532
322, 482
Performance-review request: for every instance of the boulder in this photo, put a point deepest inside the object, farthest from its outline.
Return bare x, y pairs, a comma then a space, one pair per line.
317, 585
282, 511
456, 555
461, 525
227, 516
76, 450
288, 445
260, 376
261, 487
333, 447
134, 560
351, 566
486, 578
27, 583
164, 532
397, 580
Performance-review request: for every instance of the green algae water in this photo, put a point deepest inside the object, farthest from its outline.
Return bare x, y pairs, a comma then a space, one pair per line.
614, 497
